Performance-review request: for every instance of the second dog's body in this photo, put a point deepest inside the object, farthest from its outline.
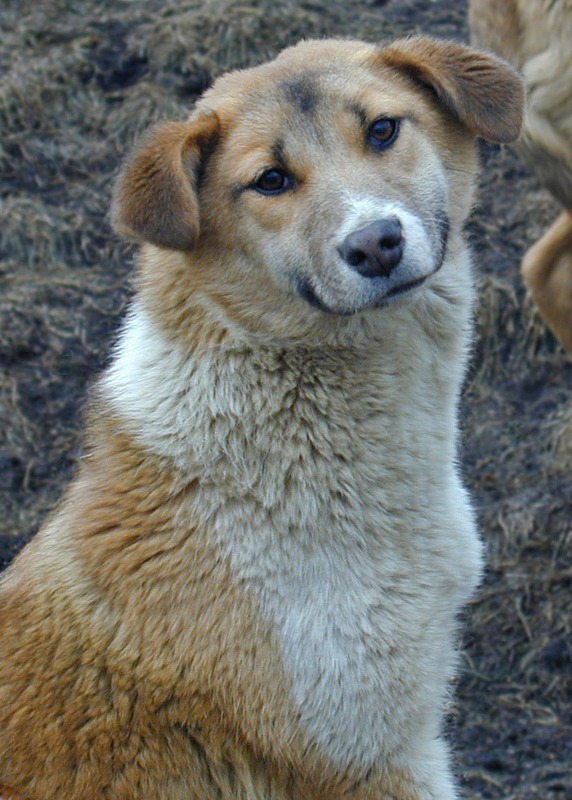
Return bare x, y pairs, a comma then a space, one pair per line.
536, 36
250, 591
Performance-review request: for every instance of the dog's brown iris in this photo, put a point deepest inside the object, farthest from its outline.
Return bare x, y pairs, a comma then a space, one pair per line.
383, 132
273, 181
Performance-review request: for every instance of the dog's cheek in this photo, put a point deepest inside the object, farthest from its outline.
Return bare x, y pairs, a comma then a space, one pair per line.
272, 213
270, 233
446, 169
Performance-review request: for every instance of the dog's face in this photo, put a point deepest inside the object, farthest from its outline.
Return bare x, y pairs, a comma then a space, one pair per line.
324, 183
334, 184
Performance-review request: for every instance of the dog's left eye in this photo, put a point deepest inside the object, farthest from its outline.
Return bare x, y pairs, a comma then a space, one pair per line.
383, 132
273, 181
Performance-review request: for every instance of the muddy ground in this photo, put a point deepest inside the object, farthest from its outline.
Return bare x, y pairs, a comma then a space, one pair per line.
79, 81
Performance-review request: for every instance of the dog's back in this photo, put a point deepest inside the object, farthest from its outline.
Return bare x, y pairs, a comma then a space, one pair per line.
536, 36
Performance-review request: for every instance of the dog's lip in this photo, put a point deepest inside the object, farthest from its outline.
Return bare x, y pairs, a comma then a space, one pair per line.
306, 291
405, 287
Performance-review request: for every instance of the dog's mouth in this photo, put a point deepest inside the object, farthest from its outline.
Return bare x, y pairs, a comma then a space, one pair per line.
405, 287
306, 291
402, 289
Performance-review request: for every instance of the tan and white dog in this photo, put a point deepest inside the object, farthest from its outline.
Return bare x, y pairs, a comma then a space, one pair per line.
250, 590
536, 36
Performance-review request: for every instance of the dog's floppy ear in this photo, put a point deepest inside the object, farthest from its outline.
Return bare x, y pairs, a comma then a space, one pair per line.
156, 195
484, 92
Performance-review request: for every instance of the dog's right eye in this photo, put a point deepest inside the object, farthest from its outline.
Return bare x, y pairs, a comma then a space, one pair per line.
273, 181
383, 132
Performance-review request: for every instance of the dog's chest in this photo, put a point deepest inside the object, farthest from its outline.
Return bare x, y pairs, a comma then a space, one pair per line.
327, 483
326, 515
363, 626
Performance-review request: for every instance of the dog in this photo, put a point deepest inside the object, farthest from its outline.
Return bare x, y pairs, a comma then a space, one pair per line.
535, 35
250, 590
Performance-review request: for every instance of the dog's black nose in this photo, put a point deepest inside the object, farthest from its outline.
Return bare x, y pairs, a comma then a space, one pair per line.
374, 251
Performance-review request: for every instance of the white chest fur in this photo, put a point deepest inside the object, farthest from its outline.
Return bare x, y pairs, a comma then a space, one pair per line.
328, 479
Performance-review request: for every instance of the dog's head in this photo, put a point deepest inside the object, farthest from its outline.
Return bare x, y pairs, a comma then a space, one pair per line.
325, 183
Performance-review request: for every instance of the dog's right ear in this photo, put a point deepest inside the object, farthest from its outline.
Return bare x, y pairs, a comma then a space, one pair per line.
482, 91
155, 197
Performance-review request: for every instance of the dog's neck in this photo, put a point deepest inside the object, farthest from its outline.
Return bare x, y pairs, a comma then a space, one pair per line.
184, 403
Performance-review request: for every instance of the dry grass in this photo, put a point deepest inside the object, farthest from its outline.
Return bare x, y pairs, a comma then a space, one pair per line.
81, 80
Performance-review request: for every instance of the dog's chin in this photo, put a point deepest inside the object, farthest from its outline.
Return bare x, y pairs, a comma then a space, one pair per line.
373, 300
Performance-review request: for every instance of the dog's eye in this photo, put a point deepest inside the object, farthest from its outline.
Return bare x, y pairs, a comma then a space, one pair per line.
273, 181
383, 132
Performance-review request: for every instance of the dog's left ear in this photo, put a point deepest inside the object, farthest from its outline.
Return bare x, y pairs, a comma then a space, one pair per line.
482, 91
156, 196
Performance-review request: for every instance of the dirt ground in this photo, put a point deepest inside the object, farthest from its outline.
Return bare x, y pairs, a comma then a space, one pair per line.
79, 81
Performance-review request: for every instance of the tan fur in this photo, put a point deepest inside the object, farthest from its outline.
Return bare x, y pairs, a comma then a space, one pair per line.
149, 208
536, 35
142, 649
547, 271
6, 793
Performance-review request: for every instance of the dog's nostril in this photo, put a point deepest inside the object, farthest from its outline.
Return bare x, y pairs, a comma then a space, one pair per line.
390, 240
375, 250
355, 257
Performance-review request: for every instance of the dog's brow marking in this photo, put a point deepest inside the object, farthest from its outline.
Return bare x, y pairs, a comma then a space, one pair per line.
358, 112
302, 93
278, 158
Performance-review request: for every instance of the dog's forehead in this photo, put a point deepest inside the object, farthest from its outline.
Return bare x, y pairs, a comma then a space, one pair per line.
313, 98
301, 79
